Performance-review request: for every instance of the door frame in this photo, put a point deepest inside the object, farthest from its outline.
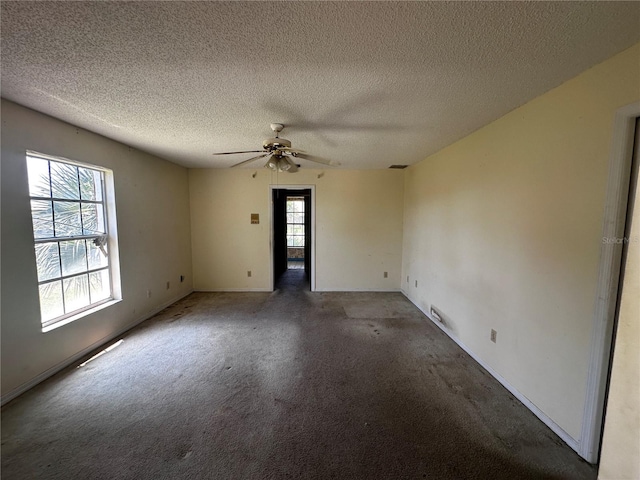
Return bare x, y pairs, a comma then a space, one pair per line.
615, 217
312, 276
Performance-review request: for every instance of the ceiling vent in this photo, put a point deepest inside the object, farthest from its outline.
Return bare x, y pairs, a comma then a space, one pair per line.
398, 167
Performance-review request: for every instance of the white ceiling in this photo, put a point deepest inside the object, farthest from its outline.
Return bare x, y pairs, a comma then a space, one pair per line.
365, 84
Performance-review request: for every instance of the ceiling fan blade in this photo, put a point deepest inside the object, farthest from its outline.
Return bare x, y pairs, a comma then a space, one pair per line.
290, 150
250, 160
233, 153
313, 158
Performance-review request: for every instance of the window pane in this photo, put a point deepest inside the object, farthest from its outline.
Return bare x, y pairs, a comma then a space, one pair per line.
293, 241
38, 170
295, 229
51, 300
76, 293
295, 206
73, 254
96, 257
90, 184
64, 181
99, 285
67, 219
295, 217
41, 213
92, 219
47, 261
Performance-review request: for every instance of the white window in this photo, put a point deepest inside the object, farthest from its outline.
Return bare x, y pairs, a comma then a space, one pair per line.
295, 222
71, 233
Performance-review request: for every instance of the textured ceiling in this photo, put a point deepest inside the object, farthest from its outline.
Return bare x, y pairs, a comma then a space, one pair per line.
365, 84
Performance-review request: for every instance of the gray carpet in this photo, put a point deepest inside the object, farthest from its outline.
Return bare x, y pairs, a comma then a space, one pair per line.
282, 385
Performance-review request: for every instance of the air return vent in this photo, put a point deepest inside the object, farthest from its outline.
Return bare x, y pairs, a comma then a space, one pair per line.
398, 167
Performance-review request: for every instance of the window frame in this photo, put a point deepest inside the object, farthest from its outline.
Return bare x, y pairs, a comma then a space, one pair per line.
107, 239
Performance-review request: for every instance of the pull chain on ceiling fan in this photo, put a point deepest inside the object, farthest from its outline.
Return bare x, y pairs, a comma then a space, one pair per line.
280, 154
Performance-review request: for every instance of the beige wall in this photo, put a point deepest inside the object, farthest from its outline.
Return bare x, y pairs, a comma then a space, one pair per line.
152, 204
503, 231
358, 227
620, 458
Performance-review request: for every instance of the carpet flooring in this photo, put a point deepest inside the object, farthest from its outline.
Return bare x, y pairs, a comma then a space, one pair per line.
284, 385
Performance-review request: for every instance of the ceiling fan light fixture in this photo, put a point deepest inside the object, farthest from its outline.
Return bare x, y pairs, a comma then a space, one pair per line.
272, 163
291, 162
283, 165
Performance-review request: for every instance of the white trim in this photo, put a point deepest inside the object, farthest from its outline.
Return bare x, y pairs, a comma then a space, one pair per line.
615, 211
223, 290
74, 358
568, 439
61, 159
324, 290
273, 187
329, 289
91, 309
108, 208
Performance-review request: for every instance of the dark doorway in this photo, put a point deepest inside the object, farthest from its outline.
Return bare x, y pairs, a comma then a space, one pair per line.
292, 233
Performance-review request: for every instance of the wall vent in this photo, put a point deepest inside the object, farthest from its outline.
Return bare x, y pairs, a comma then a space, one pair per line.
399, 167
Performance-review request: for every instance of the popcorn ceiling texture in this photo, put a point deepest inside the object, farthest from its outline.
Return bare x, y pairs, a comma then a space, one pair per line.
365, 84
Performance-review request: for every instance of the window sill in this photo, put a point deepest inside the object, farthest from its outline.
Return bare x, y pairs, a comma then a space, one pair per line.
80, 315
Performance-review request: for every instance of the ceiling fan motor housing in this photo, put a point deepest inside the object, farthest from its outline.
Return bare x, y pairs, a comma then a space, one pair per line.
272, 144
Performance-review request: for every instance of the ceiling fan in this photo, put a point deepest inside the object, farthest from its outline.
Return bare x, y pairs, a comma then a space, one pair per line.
280, 154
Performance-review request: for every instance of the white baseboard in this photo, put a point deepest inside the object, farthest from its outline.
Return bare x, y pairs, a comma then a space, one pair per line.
232, 290
568, 439
379, 290
325, 290
74, 358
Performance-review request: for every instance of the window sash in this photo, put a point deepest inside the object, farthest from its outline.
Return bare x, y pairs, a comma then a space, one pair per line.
90, 305
71, 200
69, 238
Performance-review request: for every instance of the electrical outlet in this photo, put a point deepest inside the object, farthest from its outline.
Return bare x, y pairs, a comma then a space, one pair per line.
181, 278
494, 335
168, 285
386, 275
416, 283
148, 293
248, 273
435, 315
